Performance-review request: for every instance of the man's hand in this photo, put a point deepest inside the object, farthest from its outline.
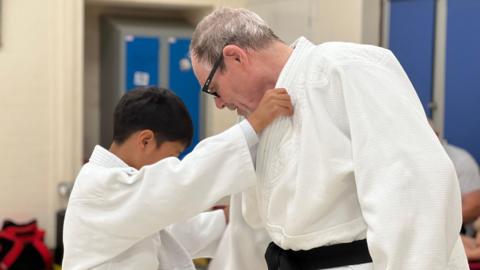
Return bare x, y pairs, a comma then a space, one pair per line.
275, 103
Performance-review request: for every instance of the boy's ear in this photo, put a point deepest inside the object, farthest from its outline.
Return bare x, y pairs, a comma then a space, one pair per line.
146, 137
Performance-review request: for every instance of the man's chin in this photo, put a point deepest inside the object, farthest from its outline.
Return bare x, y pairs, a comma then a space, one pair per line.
242, 113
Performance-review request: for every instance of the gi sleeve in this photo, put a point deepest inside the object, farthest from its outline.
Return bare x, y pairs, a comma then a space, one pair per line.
406, 184
201, 234
173, 190
250, 208
241, 247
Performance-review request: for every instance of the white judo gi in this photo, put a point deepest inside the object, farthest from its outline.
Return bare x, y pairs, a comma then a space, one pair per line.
357, 160
241, 246
121, 218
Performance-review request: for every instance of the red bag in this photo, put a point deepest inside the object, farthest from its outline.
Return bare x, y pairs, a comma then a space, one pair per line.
474, 265
22, 247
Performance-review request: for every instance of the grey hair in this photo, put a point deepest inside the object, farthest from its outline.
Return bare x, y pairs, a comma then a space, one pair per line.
226, 26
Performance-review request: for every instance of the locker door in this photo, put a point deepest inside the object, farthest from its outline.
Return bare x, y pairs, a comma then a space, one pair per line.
142, 61
462, 83
411, 39
139, 53
183, 82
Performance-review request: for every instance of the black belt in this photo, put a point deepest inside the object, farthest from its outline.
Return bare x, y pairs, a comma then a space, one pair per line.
318, 258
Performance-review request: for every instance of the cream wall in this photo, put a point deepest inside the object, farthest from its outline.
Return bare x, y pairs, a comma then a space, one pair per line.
25, 117
40, 115
322, 20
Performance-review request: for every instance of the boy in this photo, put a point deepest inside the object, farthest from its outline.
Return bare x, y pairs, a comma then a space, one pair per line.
125, 200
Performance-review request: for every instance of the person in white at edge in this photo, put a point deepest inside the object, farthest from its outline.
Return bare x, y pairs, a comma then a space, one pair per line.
469, 179
358, 159
468, 175
129, 206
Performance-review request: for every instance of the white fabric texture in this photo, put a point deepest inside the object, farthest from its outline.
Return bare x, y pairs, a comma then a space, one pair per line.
249, 133
241, 247
201, 234
120, 218
357, 160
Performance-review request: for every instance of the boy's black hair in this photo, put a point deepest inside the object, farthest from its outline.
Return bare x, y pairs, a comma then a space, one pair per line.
154, 108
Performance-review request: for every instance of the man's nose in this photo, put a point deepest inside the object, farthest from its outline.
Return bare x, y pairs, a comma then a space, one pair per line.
219, 103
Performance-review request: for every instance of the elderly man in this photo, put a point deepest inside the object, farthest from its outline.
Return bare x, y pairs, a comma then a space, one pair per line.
338, 184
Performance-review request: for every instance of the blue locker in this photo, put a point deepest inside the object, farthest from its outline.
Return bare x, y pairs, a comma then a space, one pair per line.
143, 64
138, 52
411, 39
183, 82
142, 61
462, 86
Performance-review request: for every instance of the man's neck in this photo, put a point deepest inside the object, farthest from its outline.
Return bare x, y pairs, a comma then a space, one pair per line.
274, 59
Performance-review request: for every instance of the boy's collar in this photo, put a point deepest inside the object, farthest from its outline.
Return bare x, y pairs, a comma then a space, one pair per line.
103, 157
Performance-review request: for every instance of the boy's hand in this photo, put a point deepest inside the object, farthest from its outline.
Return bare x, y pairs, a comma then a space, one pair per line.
275, 103
225, 209
226, 212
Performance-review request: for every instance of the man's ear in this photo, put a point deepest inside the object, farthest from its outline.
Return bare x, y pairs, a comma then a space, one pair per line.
232, 54
145, 138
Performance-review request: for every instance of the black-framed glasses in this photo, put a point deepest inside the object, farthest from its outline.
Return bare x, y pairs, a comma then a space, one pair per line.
206, 86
